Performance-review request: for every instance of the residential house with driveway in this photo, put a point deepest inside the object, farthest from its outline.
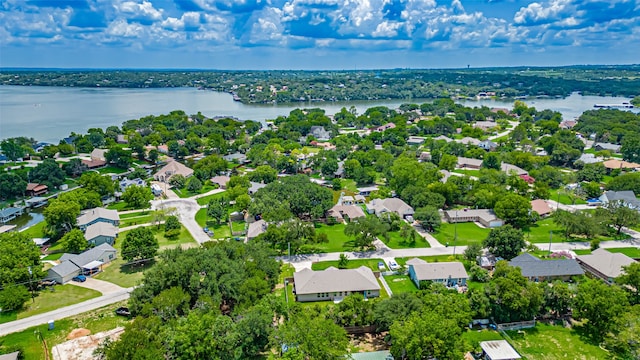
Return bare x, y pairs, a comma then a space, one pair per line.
604, 265
170, 169
86, 263
334, 284
394, 205
486, 217
345, 212
96, 215
541, 207
468, 163
488, 145
614, 148
628, 198
220, 180
100, 233
447, 273
535, 269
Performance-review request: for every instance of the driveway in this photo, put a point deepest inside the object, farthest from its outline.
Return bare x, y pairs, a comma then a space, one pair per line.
99, 285
186, 209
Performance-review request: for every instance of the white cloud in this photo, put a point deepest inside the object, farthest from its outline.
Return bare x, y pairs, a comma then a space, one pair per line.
144, 10
121, 28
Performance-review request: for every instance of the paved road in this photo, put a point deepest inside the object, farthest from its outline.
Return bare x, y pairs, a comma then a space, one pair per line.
506, 132
187, 209
104, 287
19, 325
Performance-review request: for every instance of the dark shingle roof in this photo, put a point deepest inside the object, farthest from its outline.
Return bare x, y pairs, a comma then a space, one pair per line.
534, 267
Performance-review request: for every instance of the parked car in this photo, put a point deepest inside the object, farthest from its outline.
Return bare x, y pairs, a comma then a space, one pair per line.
79, 278
123, 311
393, 265
381, 266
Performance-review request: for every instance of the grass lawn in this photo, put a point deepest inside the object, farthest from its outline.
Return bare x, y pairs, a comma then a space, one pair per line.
549, 342
221, 231
400, 284
630, 252
184, 193
350, 185
110, 170
123, 275
141, 219
238, 226
36, 231
397, 242
352, 264
135, 214
539, 233
338, 241
46, 300
99, 320
120, 205
435, 258
469, 172
467, 233
564, 198
53, 257
205, 199
474, 337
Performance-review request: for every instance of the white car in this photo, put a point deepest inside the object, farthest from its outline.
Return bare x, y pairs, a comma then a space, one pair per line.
393, 265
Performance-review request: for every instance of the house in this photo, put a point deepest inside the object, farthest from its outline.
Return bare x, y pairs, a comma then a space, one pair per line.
485, 125
442, 137
367, 190
468, 163
360, 199
468, 141
10, 213
348, 200
221, 181
125, 183
604, 265
486, 217
528, 178
567, 124
236, 158
320, 133
589, 159
94, 164
333, 284
415, 140
628, 198
99, 154
613, 164
488, 145
498, 350
384, 127
34, 189
535, 269
446, 273
345, 212
97, 215
488, 261
614, 148
512, 169
100, 233
163, 149
323, 145
395, 205
122, 139
7, 228
256, 228
172, 168
255, 187
89, 262
541, 207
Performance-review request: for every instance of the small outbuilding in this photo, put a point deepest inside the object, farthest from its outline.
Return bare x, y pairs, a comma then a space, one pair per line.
498, 350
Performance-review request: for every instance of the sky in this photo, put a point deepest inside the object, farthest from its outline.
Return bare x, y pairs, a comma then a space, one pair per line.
317, 34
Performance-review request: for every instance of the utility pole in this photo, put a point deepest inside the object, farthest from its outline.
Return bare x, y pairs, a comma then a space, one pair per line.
550, 238
455, 234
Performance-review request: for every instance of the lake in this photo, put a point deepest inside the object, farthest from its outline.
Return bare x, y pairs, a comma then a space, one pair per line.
52, 113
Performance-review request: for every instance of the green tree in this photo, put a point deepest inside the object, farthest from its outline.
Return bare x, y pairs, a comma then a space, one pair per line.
94, 181
396, 308
505, 241
365, 231
137, 197
139, 244
629, 181
48, 172
217, 210
61, 216
311, 337
172, 227
343, 263
74, 168
428, 217
514, 210
599, 304
263, 174
178, 181
74, 241
621, 216
630, 279
194, 184
243, 201
473, 252
557, 297
630, 149
408, 233
11, 149
85, 198
511, 296
626, 342
448, 162
18, 254
491, 160
142, 339
11, 185
119, 158
13, 297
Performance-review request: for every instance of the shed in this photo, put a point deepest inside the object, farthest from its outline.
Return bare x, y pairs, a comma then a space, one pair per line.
498, 350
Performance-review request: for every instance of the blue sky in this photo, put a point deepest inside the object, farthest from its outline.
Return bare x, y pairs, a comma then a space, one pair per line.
317, 34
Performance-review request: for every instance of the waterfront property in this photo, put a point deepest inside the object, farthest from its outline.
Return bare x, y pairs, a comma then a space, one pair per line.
334, 284
535, 269
10, 213
604, 265
446, 273
486, 217
35, 189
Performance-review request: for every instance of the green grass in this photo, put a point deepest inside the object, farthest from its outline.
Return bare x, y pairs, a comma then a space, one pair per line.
123, 275
111, 169
436, 258
467, 233
352, 264
630, 252
36, 231
475, 337
53, 257
238, 226
184, 193
135, 214
46, 300
564, 198
469, 172
398, 242
539, 232
144, 219
120, 205
205, 199
548, 342
221, 231
350, 185
400, 284
338, 241
99, 320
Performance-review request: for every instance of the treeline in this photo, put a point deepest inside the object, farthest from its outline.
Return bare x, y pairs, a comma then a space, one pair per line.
296, 86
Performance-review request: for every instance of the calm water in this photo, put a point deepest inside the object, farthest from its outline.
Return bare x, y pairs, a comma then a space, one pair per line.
51, 113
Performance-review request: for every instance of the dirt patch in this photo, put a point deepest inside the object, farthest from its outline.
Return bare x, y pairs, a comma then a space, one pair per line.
82, 348
76, 333
369, 342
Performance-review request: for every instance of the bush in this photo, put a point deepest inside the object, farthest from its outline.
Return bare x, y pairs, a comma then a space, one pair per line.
13, 297
595, 244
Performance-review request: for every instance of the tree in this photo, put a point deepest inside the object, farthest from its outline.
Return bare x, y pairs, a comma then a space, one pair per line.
428, 217
172, 227
343, 262
61, 216
74, 241
263, 174
295, 195
139, 244
365, 230
311, 337
178, 181
18, 254
48, 172
630, 279
557, 297
85, 198
505, 241
94, 181
408, 233
142, 339
243, 201
194, 184
621, 216
11, 185
217, 210
75, 167
336, 184
473, 252
630, 149
591, 172
13, 297
11, 149
599, 304
396, 308
514, 210
448, 162
626, 342
137, 197
491, 161
511, 296
153, 156
629, 181
119, 158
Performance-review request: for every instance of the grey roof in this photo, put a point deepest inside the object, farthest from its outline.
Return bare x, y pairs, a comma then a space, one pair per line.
508, 168
442, 137
222, 180
96, 213
390, 204
255, 187
468, 140
256, 228
65, 268
415, 261
609, 264
352, 211
100, 229
627, 196
590, 159
463, 161
485, 214
488, 143
608, 146
10, 211
531, 266
499, 350
88, 256
439, 270
308, 281
235, 156
10, 356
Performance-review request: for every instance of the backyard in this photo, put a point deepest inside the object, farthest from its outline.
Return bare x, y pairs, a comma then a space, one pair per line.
540, 232
338, 241
351, 264
396, 241
220, 231
565, 197
400, 284
467, 233
549, 342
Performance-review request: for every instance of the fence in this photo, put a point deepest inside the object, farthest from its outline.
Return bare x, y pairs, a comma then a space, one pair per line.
516, 325
357, 330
